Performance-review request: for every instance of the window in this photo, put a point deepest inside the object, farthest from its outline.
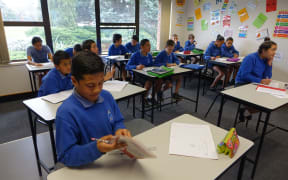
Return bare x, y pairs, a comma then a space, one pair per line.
107, 36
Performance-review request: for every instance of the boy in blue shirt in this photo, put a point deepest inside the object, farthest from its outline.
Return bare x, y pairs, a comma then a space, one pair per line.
73, 51
190, 44
88, 113
212, 53
178, 47
59, 78
228, 50
133, 46
118, 49
168, 58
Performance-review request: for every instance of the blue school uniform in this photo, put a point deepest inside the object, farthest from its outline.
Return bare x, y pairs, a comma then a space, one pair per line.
228, 52
78, 120
211, 51
137, 58
253, 69
132, 49
163, 58
54, 81
69, 51
120, 50
178, 47
39, 56
189, 46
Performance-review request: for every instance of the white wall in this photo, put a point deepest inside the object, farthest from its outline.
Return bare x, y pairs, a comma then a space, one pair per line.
245, 46
165, 9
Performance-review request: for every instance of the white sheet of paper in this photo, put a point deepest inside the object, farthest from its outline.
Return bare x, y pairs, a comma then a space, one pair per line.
271, 91
192, 140
57, 97
116, 86
116, 57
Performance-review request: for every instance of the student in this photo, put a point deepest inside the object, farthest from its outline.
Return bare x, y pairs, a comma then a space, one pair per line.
228, 50
133, 46
59, 78
38, 53
178, 47
89, 112
90, 45
267, 39
73, 51
118, 49
256, 68
167, 58
190, 45
212, 53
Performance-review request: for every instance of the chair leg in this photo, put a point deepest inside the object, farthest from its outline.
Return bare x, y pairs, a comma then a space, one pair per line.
212, 104
237, 114
258, 122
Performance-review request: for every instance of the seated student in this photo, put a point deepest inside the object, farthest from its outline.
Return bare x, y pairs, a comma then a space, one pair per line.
59, 78
190, 44
133, 46
118, 49
212, 53
228, 50
72, 51
88, 113
90, 45
38, 53
256, 68
168, 58
178, 47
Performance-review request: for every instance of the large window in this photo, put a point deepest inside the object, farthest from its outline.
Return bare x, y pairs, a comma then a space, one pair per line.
106, 36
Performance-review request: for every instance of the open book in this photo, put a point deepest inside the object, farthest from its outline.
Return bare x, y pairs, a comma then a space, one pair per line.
114, 85
57, 97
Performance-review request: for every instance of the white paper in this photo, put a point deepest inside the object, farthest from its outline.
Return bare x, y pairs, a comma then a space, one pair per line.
192, 140
271, 91
116, 86
148, 69
115, 57
57, 97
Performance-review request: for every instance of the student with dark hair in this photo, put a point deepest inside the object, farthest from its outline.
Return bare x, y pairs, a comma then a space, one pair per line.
190, 43
59, 78
88, 113
178, 47
73, 51
118, 49
267, 39
133, 46
212, 53
228, 50
167, 58
38, 53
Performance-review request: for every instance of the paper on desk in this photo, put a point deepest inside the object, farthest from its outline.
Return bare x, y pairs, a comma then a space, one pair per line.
221, 59
136, 149
148, 69
114, 85
192, 140
271, 90
116, 57
57, 97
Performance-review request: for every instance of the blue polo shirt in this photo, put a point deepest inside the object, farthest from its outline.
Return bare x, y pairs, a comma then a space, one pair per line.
69, 51
54, 82
178, 47
211, 51
78, 120
189, 46
120, 50
132, 49
40, 56
253, 69
137, 58
228, 52
163, 59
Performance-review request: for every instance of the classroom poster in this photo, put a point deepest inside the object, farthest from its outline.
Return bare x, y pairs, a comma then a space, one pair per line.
261, 34
198, 14
218, 1
207, 6
243, 31
260, 20
281, 27
198, 2
179, 18
180, 3
224, 6
190, 24
228, 33
233, 7
215, 18
271, 5
243, 14
227, 21
252, 4
278, 57
204, 25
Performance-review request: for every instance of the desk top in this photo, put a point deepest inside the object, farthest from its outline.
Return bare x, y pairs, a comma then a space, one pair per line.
223, 61
190, 54
45, 66
117, 58
169, 167
47, 110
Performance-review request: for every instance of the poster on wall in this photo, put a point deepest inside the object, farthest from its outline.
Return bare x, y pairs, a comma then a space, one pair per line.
190, 24
243, 30
252, 4
233, 7
260, 20
224, 6
179, 18
204, 25
243, 14
218, 1
227, 21
198, 14
198, 2
180, 3
271, 5
207, 6
228, 33
281, 27
215, 18
261, 34
278, 57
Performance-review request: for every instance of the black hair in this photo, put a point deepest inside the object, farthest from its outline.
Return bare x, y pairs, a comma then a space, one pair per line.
116, 37
86, 45
267, 39
170, 43
143, 42
86, 62
135, 37
191, 36
77, 48
36, 40
220, 38
229, 39
60, 55
265, 46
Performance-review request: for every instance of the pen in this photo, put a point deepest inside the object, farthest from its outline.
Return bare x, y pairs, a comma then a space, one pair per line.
101, 140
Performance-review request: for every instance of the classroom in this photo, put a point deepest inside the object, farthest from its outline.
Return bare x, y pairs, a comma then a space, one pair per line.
143, 89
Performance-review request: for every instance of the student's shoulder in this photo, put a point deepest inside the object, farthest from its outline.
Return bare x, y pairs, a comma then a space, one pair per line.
52, 74
135, 54
106, 95
46, 48
68, 106
111, 46
128, 44
251, 57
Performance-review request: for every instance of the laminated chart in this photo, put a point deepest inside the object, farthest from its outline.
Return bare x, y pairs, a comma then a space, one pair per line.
281, 27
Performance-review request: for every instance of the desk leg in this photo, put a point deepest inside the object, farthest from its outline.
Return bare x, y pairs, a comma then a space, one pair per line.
34, 82
31, 83
241, 168
198, 90
153, 97
260, 144
143, 110
50, 126
134, 106
34, 134
220, 111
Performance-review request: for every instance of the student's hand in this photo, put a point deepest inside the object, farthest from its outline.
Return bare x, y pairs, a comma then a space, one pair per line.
104, 147
140, 67
213, 58
265, 81
269, 62
123, 132
236, 55
172, 64
108, 76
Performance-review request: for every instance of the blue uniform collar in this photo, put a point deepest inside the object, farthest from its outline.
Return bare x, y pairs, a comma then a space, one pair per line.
142, 54
84, 101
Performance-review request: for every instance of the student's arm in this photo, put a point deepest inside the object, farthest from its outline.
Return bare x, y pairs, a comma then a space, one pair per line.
49, 52
175, 59
131, 63
235, 52
29, 58
189, 46
110, 51
159, 60
49, 86
180, 47
124, 50
268, 72
127, 48
247, 67
207, 54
